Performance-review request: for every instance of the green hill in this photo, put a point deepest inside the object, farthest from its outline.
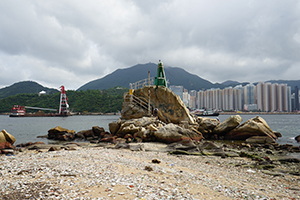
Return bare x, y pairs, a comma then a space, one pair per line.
25, 87
103, 101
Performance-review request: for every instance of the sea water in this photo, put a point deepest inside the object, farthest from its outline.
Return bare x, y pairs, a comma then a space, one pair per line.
26, 129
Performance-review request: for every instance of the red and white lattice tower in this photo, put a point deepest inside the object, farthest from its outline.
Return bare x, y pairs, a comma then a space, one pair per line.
63, 106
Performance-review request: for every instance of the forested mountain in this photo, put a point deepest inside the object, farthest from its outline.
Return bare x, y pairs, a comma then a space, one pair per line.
175, 76
25, 87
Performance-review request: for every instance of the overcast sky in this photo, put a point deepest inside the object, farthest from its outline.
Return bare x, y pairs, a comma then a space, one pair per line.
72, 42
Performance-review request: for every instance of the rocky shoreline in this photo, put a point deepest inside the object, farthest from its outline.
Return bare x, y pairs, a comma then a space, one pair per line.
146, 158
146, 171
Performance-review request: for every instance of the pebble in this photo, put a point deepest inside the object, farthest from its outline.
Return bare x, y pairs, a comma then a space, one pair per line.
99, 173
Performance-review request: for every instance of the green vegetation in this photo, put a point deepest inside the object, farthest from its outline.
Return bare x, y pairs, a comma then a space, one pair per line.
24, 87
104, 101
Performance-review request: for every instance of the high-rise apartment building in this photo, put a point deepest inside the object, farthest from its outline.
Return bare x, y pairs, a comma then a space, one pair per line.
296, 99
259, 96
264, 97
248, 94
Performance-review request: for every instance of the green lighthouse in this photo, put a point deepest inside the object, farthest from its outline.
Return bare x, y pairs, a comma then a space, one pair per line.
160, 79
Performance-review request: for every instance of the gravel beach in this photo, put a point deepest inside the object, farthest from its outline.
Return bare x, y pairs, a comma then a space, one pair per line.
90, 172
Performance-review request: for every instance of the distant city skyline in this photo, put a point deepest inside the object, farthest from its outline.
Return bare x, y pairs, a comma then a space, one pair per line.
265, 96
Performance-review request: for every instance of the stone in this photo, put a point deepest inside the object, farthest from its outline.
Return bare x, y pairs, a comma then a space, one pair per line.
152, 128
297, 138
289, 159
6, 137
229, 124
59, 133
277, 134
6, 145
184, 145
124, 130
260, 139
206, 126
136, 147
174, 133
97, 130
208, 145
256, 126
86, 133
7, 151
28, 144
114, 127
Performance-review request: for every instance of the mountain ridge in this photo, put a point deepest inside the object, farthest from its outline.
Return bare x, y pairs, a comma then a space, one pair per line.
27, 87
175, 75
122, 77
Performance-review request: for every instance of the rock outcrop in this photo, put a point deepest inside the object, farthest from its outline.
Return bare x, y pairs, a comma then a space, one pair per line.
256, 126
228, 125
151, 129
6, 137
6, 142
171, 109
59, 133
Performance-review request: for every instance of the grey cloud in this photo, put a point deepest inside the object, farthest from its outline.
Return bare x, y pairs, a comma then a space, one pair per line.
56, 41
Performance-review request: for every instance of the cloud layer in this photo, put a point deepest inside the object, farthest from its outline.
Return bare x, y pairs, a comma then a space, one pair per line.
72, 42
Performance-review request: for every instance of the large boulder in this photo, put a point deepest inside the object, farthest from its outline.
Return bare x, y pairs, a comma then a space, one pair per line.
59, 133
6, 137
6, 145
206, 127
173, 133
114, 127
229, 124
133, 126
256, 126
98, 130
171, 109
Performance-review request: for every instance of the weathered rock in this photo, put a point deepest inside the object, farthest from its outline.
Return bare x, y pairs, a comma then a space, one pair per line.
214, 152
170, 106
59, 133
136, 147
6, 145
297, 138
28, 144
208, 145
6, 137
256, 126
85, 134
260, 139
143, 134
114, 127
206, 127
134, 125
174, 133
7, 151
289, 159
277, 134
131, 129
97, 130
184, 145
228, 125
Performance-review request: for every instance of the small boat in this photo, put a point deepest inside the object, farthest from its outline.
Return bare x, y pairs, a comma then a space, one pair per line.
208, 114
17, 111
205, 113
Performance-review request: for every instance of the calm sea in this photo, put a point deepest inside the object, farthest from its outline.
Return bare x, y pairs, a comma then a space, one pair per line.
26, 129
